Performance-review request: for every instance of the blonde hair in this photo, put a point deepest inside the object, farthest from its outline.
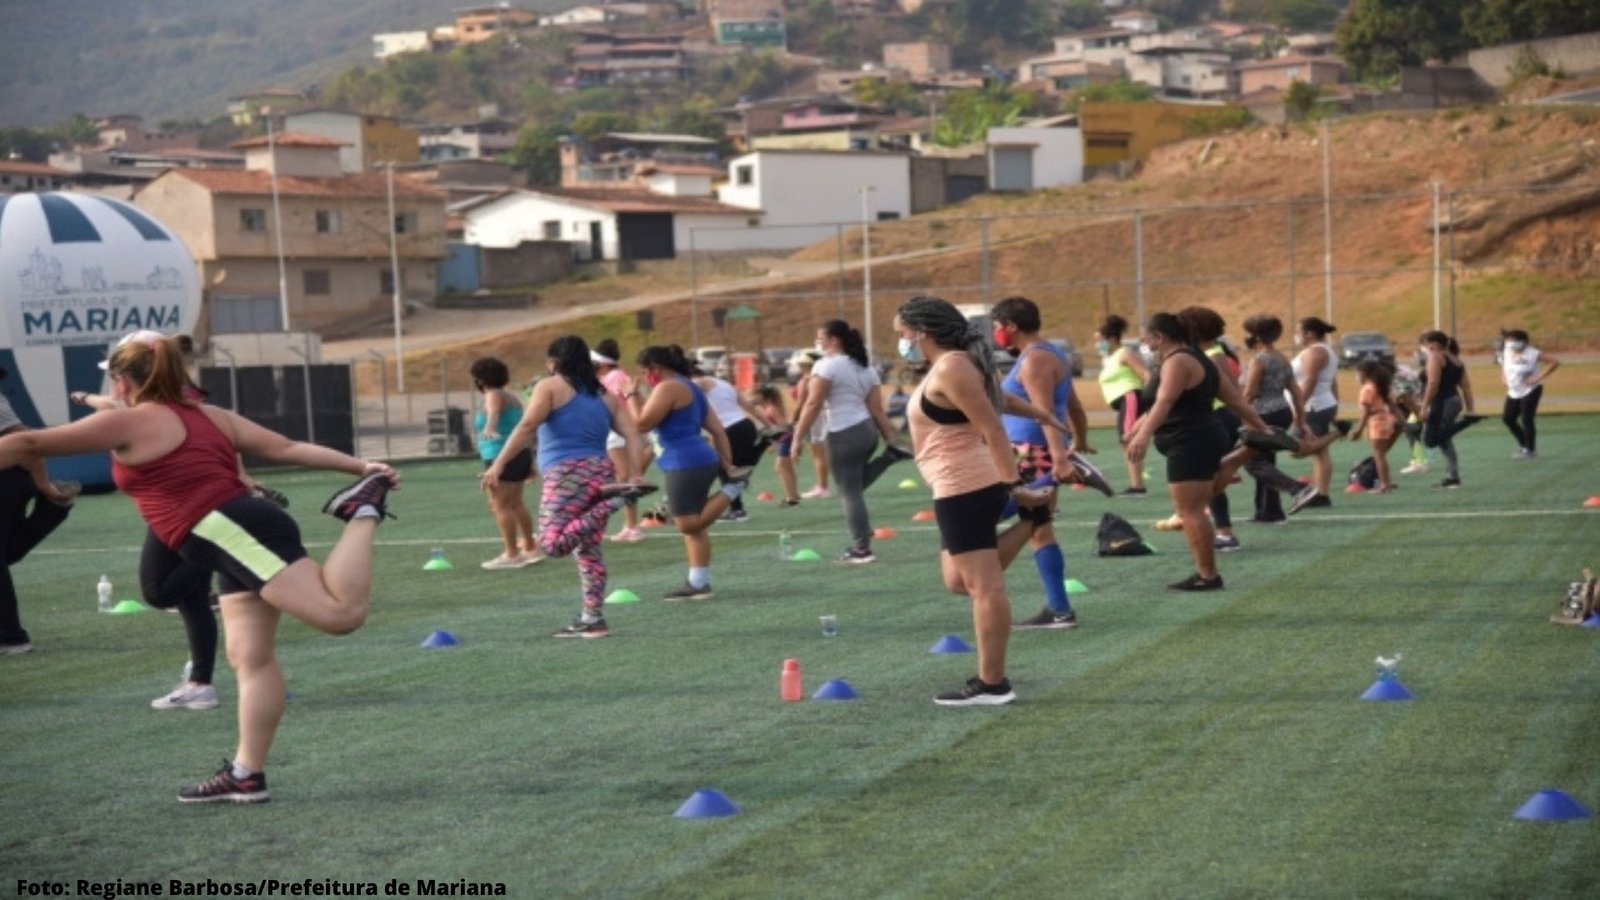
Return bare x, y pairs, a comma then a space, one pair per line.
156, 366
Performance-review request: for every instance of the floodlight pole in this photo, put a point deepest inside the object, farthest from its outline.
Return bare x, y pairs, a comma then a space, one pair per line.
866, 263
277, 220
1327, 224
394, 282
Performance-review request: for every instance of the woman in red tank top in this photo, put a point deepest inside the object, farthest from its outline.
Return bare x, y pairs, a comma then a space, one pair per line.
178, 462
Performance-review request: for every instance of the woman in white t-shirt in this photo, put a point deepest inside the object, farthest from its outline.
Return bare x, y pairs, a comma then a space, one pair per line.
1314, 369
1524, 388
739, 422
845, 386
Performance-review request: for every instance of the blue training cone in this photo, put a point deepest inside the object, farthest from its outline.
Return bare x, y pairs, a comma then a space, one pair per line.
707, 803
440, 639
1387, 689
1551, 805
950, 644
836, 689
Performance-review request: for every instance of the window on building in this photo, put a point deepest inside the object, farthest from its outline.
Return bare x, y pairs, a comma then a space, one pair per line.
888, 216
405, 223
552, 230
743, 175
385, 282
317, 282
252, 220
328, 221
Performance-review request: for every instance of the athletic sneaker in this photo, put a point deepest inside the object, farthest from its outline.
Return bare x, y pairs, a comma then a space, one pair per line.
1524, 453
1466, 421
625, 491
1272, 440
976, 693
689, 592
1226, 543
817, 493
581, 629
276, 498
1048, 619
1196, 583
369, 491
789, 501
1416, 468
1303, 498
1133, 492
858, 556
1089, 473
187, 696
506, 562
224, 788
1451, 483
628, 536
735, 515
1343, 426
15, 648
900, 454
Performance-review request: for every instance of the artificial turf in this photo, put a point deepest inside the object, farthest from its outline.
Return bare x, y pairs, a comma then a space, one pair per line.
1173, 745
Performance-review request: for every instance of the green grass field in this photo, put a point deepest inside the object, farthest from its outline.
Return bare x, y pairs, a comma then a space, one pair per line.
1174, 745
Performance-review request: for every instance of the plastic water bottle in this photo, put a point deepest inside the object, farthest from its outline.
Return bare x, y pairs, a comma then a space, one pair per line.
785, 545
103, 593
789, 684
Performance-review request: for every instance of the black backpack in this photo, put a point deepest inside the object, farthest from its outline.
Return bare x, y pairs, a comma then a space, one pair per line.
1365, 473
1119, 538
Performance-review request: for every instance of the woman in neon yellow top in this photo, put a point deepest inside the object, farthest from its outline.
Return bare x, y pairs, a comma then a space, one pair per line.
1122, 375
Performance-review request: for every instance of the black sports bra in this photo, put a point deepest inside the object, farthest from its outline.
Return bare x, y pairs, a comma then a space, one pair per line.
942, 415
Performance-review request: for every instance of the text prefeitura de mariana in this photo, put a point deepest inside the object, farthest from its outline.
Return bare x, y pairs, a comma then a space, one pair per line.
267, 887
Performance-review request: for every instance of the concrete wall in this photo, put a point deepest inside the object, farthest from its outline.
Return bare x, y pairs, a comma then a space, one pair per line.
803, 195
1575, 54
515, 220
930, 178
1057, 154
531, 262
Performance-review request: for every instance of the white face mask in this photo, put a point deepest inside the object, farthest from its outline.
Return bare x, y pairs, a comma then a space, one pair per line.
1516, 346
820, 348
909, 351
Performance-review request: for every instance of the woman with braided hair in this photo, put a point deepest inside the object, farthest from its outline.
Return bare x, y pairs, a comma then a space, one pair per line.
964, 455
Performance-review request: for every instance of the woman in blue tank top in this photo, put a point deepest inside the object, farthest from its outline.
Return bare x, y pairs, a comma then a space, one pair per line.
500, 414
573, 415
678, 412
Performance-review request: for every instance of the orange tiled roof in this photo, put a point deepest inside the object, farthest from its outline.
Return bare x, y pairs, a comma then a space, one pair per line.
366, 184
21, 167
290, 139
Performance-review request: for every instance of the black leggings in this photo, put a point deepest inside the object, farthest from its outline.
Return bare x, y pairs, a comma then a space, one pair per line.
166, 581
20, 532
1519, 415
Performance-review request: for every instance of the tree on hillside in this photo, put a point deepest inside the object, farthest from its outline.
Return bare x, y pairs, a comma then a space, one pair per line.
1377, 37
1304, 15
1303, 101
897, 95
967, 116
1491, 22
538, 153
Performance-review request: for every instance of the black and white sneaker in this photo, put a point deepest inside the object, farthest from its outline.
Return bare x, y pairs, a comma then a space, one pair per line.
1269, 441
1133, 492
1048, 619
976, 693
858, 556
581, 629
735, 515
626, 492
1303, 498
1090, 474
369, 491
276, 498
688, 592
1450, 483
224, 788
1196, 583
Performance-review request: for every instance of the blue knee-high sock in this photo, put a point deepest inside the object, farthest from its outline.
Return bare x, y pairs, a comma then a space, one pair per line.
1052, 566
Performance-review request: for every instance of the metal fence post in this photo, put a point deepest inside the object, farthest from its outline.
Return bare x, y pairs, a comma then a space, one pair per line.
838, 274
233, 377
694, 293
987, 278
383, 387
1138, 266
1293, 277
1451, 214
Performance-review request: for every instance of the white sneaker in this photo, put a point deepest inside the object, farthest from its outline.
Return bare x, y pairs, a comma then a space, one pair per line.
506, 562
817, 493
1415, 468
628, 536
188, 696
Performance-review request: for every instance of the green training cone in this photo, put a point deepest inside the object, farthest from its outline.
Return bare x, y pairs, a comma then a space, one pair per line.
436, 562
1074, 586
909, 484
806, 554
125, 607
621, 595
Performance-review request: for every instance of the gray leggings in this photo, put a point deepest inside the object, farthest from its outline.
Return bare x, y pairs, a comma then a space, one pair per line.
1439, 431
854, 470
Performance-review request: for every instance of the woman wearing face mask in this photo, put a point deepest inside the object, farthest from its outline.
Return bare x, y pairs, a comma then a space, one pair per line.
678, 412
1448, 393
964, 455
1186, 431
572, 414
1122, 375
1524, 389
845, 387
1314, 369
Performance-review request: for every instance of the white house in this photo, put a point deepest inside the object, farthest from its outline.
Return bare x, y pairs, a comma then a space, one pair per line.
599, 223
1046, 153
577, 15
384, 45
803, 195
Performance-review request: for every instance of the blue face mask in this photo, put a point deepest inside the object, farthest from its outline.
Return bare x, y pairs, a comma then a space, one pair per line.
909, 351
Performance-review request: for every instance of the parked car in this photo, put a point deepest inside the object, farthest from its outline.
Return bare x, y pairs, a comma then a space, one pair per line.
706, 358
775, 363
1359, 345
791, 366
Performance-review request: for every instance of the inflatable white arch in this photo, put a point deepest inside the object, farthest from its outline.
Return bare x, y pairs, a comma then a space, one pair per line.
77, 272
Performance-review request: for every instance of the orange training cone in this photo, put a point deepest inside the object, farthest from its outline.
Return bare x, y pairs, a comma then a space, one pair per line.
765, 497
1354, 487
884, 532
922, 515
1592, 502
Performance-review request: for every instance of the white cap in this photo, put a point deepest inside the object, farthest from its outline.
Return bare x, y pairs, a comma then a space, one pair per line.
143, 336
599, 360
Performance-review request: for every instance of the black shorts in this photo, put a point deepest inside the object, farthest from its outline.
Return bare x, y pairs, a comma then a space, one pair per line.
967, 521
518, 468
246, 541
165, 580
687, 489
1319, 421
1195, 454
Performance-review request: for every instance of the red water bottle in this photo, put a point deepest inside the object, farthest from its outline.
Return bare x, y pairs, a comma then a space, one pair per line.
789, 684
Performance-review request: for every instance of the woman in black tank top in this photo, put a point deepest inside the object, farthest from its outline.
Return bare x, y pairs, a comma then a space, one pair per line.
1447, 396
1182, 426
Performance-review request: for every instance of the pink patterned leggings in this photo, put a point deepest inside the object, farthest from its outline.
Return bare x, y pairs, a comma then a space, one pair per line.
572, 520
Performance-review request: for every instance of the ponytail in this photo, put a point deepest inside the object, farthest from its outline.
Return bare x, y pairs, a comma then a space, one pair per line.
850, 339
155, 364
669, 357
948, 328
